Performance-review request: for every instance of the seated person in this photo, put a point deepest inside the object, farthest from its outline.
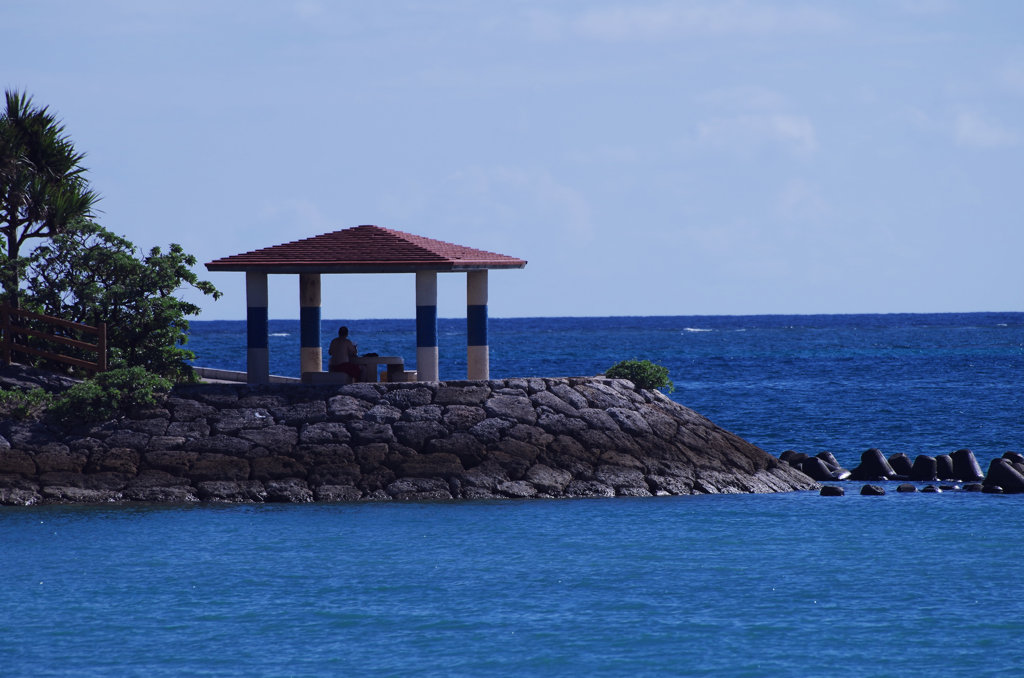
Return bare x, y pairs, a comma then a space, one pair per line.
343, 352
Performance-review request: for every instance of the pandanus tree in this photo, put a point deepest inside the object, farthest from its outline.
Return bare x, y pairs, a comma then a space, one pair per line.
43, 191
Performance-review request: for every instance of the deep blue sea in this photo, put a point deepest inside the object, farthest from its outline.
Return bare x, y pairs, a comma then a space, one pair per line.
731, 585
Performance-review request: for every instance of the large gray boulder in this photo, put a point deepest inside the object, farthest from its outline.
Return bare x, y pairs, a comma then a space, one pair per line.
944, 467
924, 469
817, 469
900, 464
966, 466
873, 466
1003, 474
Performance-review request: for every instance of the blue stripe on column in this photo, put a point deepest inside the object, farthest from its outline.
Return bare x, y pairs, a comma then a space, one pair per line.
309, 326
426, 326
256, 326
476, 325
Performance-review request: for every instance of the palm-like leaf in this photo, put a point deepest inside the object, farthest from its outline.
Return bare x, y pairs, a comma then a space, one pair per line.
42, 185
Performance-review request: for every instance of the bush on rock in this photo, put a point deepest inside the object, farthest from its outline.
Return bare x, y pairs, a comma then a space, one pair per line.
643, 373
109, 393
22, 405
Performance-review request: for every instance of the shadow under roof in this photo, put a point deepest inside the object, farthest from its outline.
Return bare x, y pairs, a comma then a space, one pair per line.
364, 249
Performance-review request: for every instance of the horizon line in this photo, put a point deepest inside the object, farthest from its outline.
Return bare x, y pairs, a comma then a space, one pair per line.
677, 315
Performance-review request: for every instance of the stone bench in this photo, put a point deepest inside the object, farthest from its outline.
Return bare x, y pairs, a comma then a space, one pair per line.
340, 378
400, 375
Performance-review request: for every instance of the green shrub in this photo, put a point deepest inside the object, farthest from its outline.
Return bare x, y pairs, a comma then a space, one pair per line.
643, 373
16, 404
110, 393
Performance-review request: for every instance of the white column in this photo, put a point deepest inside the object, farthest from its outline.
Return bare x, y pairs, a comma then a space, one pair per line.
257, 355
311, 352
426, 326
478, 364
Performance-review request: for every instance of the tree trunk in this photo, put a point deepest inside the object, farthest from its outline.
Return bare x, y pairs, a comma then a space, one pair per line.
13, 275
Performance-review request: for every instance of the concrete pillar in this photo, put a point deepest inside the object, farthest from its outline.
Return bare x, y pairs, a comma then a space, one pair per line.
478, 365
257, 357
426, 325
311, 353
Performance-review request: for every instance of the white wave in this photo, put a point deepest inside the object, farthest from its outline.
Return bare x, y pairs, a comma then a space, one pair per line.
696, 329
280, 334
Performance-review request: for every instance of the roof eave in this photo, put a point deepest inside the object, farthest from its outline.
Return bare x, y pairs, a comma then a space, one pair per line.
359, 268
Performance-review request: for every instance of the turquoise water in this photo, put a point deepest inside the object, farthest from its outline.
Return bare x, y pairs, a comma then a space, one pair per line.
758, 585
783, 585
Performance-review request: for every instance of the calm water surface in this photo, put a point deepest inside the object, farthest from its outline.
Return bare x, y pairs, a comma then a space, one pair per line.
719, 585
781, 585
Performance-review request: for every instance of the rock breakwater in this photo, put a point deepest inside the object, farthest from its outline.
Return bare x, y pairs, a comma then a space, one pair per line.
1005, 474
512, 438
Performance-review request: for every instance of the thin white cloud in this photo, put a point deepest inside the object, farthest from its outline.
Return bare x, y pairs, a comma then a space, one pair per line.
673, 20
971, 130
742, 133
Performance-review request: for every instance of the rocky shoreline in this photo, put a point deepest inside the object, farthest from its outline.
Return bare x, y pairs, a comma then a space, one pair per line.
510, 438
1005, 474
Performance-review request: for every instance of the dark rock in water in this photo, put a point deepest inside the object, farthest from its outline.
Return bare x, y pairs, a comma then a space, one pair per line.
873, 466
991, 489
900, 463
1014, 457
931, 489
949, 488
829, 459
872, 490
832, 491
907, 487
792, 458
838, 472
817, 469
924, 468
289, 490
944, 467
1003, 474
973, 487
965, 466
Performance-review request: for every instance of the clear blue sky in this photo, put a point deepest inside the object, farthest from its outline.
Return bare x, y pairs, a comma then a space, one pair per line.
647, 158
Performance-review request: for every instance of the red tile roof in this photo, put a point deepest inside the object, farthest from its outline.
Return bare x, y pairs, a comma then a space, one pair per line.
364, 249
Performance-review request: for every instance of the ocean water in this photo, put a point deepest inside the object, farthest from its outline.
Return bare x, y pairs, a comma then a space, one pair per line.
734, 585
912, 383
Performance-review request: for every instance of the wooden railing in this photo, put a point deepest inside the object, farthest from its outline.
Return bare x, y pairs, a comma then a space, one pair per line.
13, 334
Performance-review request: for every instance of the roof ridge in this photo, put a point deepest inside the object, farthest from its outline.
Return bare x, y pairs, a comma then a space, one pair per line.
368, 248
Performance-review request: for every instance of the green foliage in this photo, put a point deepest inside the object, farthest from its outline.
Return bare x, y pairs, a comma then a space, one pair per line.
90, 275
82, 272
42, 187
21, 405
110, 393
643, 373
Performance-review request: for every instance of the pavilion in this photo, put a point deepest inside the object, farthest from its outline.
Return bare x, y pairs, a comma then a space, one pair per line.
366, 249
